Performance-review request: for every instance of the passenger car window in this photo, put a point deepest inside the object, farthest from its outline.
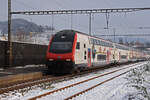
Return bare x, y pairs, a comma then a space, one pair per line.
84, 45
101, 57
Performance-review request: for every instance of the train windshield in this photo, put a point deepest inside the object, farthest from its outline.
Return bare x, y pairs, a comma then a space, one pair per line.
62, 42
61, 47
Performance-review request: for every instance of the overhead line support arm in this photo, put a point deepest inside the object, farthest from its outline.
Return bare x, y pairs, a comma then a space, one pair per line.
89, 11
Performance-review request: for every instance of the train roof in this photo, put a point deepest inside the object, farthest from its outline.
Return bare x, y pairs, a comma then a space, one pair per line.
86, 34
118, 45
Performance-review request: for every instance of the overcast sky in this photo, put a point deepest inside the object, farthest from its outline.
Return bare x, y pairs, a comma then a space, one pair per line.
124, 23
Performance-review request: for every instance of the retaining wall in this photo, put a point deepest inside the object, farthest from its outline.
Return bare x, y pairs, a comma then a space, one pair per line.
23, 54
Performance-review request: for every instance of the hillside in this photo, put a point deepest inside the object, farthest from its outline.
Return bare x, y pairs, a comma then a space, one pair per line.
20, 24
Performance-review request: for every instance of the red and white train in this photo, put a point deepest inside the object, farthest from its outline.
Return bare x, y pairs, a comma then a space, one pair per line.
71, 50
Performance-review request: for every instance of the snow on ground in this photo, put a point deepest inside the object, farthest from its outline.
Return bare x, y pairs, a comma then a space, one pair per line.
27, 66
117, 89
5, 72
122, 88
1, 69
61, 95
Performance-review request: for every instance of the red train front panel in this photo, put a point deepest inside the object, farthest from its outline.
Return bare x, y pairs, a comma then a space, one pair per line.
61, 51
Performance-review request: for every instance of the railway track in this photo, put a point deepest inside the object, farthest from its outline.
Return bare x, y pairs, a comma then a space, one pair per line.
52, 79
83, 86
30, 83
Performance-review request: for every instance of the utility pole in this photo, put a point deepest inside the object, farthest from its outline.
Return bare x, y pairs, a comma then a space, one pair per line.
71, 21
114, 56
90, 23
9, 48
114, 30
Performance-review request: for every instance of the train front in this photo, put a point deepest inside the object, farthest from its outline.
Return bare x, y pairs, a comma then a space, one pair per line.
61, 50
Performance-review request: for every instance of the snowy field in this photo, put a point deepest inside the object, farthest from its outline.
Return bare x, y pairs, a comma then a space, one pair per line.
134, 85
131, 86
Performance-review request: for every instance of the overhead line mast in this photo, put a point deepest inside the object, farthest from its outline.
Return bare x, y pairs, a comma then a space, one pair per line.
9, 45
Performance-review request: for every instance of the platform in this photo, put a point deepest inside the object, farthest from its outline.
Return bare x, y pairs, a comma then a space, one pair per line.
21, 73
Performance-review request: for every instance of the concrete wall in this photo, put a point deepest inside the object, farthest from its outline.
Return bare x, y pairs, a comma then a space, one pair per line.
2, 53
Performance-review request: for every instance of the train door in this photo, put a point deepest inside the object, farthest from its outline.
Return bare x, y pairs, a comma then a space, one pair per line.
89, 57
127, 57
108, 55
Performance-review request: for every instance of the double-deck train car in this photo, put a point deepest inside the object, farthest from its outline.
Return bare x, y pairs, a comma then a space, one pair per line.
70, 50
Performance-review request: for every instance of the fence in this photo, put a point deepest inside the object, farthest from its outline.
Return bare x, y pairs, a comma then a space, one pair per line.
23, 54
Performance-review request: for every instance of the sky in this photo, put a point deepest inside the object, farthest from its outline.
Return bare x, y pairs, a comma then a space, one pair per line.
122, 22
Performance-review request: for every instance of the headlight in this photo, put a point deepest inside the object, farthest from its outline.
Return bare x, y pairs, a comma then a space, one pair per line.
51, 59
68, 59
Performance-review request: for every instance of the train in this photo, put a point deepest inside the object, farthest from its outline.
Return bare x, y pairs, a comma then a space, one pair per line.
71, 50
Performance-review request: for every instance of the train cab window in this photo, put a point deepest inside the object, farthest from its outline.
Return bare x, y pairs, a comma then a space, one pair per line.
61, 47
78, 45
84, 45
